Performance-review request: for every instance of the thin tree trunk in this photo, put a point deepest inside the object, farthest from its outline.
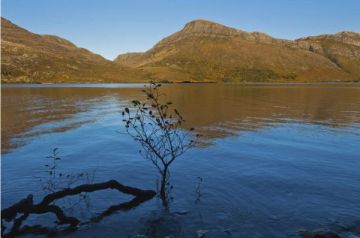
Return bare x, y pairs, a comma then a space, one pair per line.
163, 186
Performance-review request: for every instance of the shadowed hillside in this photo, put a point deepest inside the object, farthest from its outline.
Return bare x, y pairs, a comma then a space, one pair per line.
208, 51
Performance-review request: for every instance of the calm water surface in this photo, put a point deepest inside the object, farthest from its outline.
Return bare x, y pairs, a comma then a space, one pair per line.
275, 158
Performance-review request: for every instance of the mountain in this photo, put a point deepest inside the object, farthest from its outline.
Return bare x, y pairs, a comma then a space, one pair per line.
207, 51
31, 58
202, 51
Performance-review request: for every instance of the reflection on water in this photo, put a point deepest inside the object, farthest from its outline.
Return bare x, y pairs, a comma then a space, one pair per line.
281, 157
216, 110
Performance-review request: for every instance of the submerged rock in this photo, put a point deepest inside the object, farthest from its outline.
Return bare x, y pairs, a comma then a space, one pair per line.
355, 227
318, 233
163, 225
228, 231
181, 213
201, 233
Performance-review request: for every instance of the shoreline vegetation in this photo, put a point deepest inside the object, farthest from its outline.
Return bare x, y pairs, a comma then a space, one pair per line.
188, 82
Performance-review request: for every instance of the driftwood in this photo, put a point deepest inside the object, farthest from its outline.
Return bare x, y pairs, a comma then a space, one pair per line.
27, 207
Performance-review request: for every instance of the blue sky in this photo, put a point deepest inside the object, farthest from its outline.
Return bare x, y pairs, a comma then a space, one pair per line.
111, 27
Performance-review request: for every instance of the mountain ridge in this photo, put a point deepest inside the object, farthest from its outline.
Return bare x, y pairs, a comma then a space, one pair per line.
221, 53
33, 58
202, 51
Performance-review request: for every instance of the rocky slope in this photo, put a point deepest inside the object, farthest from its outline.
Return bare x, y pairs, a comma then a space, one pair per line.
32, 58
202, 51
208, 51
342, 48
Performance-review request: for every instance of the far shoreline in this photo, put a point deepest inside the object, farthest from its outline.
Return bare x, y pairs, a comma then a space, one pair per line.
71, 84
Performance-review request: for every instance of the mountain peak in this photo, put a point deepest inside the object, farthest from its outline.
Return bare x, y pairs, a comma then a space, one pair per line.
205, 27
211, 30
200, 22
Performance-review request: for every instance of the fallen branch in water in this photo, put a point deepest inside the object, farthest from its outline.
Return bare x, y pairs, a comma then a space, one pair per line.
26, 207
120, 207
